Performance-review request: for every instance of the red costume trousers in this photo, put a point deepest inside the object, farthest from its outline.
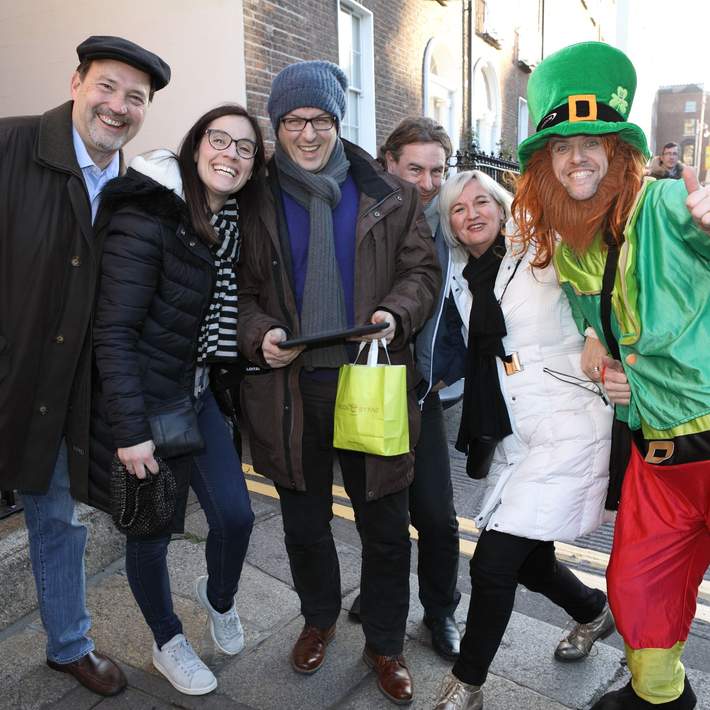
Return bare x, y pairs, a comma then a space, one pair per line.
661, 551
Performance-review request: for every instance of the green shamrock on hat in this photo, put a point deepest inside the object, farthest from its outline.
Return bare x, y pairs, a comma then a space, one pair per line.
618, 100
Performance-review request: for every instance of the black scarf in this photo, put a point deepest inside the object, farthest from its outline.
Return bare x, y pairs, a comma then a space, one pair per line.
484, 421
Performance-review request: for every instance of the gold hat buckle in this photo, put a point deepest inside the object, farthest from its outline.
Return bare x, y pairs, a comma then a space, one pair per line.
590, 100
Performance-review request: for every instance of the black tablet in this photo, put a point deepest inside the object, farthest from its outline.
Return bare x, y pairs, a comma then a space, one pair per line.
329, 335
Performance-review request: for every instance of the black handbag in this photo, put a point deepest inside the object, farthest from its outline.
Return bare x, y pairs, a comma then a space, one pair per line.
175, 429
141, 507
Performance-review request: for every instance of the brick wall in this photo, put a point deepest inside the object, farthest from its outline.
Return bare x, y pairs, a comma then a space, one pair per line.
278, 33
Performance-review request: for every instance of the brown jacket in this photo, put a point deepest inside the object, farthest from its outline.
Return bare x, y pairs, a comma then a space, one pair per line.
395, 269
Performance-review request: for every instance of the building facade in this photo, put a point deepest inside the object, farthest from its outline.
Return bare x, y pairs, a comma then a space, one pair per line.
463, 62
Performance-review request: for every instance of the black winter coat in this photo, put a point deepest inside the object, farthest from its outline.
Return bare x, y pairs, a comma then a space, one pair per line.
49, 259
156, 284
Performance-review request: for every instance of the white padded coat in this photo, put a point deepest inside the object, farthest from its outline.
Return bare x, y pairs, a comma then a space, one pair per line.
549, 478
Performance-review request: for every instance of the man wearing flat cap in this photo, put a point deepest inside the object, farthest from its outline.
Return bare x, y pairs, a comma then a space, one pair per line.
340, 243
52, 169
633, 256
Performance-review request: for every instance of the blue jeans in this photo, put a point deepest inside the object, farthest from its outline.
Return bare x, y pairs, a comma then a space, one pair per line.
57, 542
216, 477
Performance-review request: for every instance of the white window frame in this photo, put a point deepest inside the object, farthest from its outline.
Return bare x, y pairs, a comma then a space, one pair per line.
523, 119
489, 143
435, 86
366, 100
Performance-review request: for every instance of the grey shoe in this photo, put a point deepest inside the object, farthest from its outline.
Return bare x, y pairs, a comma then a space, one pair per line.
227, 631
578, 643
457, 695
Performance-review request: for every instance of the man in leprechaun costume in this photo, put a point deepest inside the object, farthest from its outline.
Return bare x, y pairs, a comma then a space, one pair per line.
633, 256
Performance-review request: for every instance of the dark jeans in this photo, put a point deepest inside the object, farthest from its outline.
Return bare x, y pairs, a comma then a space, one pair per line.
217, 479
499, 564
431, 504
382, 523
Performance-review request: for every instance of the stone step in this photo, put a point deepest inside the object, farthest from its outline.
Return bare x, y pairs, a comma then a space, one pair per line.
19, 598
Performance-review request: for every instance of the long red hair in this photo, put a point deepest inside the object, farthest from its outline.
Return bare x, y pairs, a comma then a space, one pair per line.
543, 210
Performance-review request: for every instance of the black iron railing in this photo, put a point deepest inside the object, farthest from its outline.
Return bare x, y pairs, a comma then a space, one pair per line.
501, 168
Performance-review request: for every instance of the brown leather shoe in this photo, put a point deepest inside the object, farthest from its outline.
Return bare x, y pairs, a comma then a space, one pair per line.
96, 672
309, 651
393, 677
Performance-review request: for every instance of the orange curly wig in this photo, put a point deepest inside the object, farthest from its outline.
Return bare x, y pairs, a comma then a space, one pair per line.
543, 210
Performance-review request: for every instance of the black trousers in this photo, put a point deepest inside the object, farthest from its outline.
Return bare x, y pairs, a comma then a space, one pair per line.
431, 504
499, 564
382, 523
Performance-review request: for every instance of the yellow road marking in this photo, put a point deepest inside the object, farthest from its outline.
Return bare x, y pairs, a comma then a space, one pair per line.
565, 552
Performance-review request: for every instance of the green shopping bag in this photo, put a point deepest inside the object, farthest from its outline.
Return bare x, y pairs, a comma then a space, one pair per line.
371, 407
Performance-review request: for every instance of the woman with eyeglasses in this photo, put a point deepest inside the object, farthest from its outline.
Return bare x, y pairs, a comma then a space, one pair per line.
532, 425
167, 314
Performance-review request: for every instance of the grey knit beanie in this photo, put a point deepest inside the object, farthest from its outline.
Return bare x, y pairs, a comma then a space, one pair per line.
315, 84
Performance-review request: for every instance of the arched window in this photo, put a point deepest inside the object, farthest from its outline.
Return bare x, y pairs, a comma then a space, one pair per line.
485, 106
442, 88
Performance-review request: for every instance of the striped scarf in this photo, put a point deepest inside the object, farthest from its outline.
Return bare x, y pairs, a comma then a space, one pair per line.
218, 334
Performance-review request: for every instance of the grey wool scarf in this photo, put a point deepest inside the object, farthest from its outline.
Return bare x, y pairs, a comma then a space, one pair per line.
323, 305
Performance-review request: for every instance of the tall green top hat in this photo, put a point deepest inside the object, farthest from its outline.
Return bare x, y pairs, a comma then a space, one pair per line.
586, 88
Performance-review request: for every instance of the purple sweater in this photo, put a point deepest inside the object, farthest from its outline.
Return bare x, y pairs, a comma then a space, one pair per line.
344, 223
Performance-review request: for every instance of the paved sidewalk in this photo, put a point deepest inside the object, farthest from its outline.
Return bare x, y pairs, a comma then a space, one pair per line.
524, 675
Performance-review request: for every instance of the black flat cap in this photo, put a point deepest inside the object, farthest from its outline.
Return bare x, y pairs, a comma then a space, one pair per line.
123, 50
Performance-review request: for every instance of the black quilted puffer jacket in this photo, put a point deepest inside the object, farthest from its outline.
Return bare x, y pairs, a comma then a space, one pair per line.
156, 283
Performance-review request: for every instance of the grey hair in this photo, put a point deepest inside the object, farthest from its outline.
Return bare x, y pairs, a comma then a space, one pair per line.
451, 191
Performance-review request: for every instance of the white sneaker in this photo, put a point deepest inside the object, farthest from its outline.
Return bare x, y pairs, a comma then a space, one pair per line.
179, 663
227, 631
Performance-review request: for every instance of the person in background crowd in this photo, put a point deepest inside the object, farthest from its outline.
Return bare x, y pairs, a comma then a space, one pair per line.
417, 151
533, 425
52, 169
340, 243
633, 261
167, 311
668, 164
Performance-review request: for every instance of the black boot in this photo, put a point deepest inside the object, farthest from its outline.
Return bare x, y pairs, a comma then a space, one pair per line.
626, 699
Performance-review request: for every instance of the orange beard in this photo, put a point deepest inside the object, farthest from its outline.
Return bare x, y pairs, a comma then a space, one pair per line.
543, 209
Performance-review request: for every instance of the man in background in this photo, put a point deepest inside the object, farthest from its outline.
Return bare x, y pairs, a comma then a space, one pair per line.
417, 151
668, 164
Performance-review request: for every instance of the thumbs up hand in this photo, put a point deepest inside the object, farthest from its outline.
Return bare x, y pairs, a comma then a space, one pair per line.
698, 202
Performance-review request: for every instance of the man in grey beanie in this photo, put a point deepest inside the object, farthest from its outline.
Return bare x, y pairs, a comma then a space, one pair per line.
340, 243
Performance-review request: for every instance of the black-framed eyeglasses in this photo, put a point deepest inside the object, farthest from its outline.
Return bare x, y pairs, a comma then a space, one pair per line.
221, 140
297, 123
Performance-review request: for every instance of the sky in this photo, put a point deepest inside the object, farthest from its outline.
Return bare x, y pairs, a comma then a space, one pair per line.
669, 43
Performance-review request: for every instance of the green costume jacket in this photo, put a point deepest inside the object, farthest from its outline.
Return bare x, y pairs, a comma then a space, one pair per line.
660, 310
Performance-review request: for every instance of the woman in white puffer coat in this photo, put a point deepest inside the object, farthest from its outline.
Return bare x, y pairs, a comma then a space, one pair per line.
532, 424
